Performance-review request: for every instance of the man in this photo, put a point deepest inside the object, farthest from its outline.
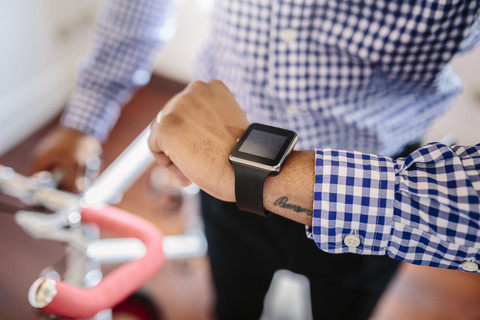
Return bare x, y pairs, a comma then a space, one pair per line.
369, 76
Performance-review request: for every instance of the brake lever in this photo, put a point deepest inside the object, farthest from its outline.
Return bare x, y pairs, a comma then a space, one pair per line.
59, 226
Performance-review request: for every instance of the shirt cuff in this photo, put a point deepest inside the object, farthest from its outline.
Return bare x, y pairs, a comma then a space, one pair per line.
353, 202
91, 113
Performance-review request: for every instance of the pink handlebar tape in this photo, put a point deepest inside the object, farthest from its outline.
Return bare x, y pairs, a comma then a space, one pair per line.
74, 302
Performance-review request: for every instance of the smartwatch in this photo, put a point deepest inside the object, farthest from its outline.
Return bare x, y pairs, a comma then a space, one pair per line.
259, 153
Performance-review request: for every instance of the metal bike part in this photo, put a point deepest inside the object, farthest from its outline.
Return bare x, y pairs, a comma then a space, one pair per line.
115, 250
126, 168
42, 292
52, 226
191, 244
36, 190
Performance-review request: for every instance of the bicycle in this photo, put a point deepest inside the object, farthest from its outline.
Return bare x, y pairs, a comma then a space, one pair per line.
77, 220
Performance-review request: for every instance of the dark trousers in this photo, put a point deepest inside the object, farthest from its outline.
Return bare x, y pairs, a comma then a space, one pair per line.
245, 250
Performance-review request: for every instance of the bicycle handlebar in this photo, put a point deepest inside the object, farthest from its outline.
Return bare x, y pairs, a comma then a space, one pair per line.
64, 300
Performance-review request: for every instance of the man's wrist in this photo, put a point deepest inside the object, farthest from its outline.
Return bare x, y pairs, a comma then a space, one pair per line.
290, 193
259, 153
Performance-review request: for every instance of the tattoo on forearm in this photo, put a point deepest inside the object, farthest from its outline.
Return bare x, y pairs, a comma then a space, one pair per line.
282, 202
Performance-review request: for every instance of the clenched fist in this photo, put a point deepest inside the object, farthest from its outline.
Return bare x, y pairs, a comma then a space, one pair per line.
194, 134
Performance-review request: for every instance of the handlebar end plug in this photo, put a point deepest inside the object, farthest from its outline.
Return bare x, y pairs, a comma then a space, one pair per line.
42, 292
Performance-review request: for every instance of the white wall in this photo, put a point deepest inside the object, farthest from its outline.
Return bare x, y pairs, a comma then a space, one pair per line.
40, 41
177, 57
463, 119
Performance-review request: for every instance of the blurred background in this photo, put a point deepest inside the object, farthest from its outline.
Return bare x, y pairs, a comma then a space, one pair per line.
42, 41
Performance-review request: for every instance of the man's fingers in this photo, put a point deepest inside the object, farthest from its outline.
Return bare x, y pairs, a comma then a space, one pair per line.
163, 160
182, 179
68, 174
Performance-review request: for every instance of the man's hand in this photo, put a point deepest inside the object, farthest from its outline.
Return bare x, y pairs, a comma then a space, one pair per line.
194, 135
68, 152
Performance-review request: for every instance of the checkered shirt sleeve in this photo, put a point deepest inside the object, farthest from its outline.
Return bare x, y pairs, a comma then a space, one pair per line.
125, 41
423, 209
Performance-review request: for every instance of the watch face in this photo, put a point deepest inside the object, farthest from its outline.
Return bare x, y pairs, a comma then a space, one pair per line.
264, 145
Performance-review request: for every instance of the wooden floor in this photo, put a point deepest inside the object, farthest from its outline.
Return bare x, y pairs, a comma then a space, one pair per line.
182, 290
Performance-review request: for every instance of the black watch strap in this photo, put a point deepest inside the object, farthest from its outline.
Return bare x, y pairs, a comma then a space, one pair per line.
249, 188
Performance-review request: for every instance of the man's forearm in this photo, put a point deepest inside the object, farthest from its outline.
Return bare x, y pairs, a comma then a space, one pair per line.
290, 193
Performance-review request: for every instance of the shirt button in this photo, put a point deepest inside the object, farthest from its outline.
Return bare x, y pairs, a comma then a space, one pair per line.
352, 240
469, 266
288, 35
292, 109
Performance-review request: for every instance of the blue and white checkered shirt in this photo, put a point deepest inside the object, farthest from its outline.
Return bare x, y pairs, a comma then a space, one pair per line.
364, 75
424, 209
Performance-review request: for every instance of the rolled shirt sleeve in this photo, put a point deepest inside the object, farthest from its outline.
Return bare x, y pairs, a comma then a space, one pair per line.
423, 209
